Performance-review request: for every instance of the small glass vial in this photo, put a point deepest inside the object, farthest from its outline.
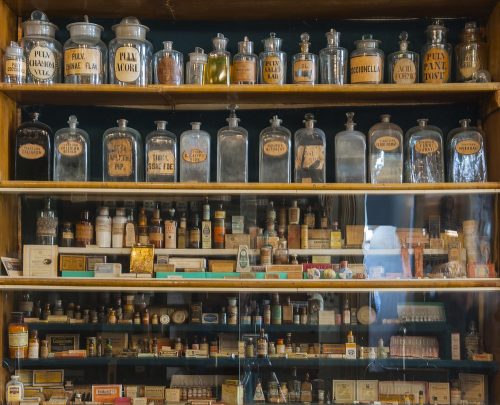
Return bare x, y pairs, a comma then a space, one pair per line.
122, 153
385, 151
275, 155
272, 61
14, 64
471, 53
195, 67
436, 55
350, 154
84, 230
424, 154
130, 54
46, 225
42, 51
333, 60
33, 151
305, 63
367, 61
67, 235
310, 144
218, 69
118, 228
161, 154
14, 390
85, 55
232, 151
403, 64
467, 158
194, 165
71, 153
168, 65
103, 228
245, 64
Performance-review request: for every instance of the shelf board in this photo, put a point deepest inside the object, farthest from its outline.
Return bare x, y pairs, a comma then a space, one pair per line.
214, 97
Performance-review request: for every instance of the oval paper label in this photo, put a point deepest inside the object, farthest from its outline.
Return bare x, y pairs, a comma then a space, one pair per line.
127, 64
275, 148
70, 148
387, 143
404, 72
194, 156
31, 151
42, 63
468, 147
426, 146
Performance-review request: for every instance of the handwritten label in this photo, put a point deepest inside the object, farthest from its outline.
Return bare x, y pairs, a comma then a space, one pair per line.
161, 162
310, 156
127, 64
275, 148
426, 146
119, 157
468, 147
194, 156
304, 72
42, 63
404, 71
387, 143
272, 70
169, 72
367, 69
244, 71
15, 68
31, 151
436, 68
82, 61
70, 148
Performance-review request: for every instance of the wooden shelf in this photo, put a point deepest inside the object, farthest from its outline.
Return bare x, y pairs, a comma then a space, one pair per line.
212, 97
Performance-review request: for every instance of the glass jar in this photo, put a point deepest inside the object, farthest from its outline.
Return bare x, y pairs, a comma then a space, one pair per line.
85, 55
168, 65
122, 154
436, 55
18, 336
218, 68
403, 64
46, 225
84, 230
194, 155
118, 228
310, 144
42, 51
275, 153
333, 60
272, 61
103, 228
195, 66
14, 64
71, 153
281, 254
161, 154
245, 64
14, 390
130, 54
305, 63
350, 154
67, 235
367, 61
471, 53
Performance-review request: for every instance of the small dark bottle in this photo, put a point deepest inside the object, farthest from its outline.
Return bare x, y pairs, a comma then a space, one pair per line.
67, 235
33, 159
195, 233
84, 234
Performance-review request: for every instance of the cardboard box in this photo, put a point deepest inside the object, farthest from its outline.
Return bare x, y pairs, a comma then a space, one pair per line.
441, 391
106, 393
173, 395
232, 394
221, 266
40, 261
284, 268
293, 236
232, 241
455, 346
318, 243
72, 263
48, 378
154, 392
354, 236
320, 234
63, 342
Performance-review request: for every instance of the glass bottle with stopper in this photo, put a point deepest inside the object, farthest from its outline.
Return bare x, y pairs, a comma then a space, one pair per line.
275, 153
310, 144
168, 65
218, 69
245, 64
350, 154
272, 61
14, 64
161, 154
403, 64
333, 60
195, 66
471, 53
436, 55
367, 61
305, 63
194, 155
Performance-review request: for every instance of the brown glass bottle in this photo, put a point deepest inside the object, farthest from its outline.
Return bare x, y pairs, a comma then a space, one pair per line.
182, 232
156, 236
142, 227
18, 337
219, 228
195, 233
84, 230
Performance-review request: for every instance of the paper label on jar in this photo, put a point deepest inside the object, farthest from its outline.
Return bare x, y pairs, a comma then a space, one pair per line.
194, 155
272, 70
387, 143
70, 148
19, 339
119, 157
15, 68
468, 147
84, 232
311, 156
404, 71
82, 61
304, 72
42, 63
436, 67
31, 151
275, 148
127, 64
244, 71
426, 146
169, 72
470, 63
14, 394
367, 69
161, 162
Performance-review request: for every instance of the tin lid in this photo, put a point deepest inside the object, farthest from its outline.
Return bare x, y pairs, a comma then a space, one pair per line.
245, 46
14, 50
130, 27
220, 42
198, 55
367, 41
39, 24
304, 42
85, 29
309, 120
275, 121
168, 45
333, 38
403, 43
272, 43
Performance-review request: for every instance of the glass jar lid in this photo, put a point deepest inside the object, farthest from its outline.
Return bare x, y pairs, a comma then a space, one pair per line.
130, 27
436, 31
84, 29
39, 24
245, 46
198, 55
332, 37
272, 43
220, 42
14, 50
367, 41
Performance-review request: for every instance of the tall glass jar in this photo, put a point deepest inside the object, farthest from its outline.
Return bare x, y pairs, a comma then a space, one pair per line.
471, 53
245, 64
403, 64
161, 154
122, 154
47, 224
385, 151
310, 145
71, 153
424, 154
42, 51
194, 155
272, 61
367, 61
275, 154
14, 64
350, 154
218, 69
85, 55
305, 63
333, 60
18, 336
195, 67
130, 54
436, 55
168, 65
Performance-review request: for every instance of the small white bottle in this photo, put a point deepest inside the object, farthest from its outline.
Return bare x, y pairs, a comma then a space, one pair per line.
118, 228
14, 390
103, 228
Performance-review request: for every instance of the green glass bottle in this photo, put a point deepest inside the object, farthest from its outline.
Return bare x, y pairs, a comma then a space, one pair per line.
218, 70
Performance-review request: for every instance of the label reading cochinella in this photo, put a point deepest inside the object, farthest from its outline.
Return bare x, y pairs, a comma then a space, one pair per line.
244, 71
127, 64
366, 69
42, 63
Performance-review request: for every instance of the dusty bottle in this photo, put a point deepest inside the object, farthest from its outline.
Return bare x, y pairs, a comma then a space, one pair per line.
275, 153
84, 230
130, 238
161, 154
195, 67
436, 55
471, 53
403, 64
333, 60
182, 242
218, 69
245, 64
195, 233
171, 230
350, 154
34, 345
272, 61
168, 65
142, 227
103, 228
118, 228
18, 337
219, 227
194, 155
206, 227
305, 63
14, 64
367, 61
310, 144
47, 224
14, 390
156, 235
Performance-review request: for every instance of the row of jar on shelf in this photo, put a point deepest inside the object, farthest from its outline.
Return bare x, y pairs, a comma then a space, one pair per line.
40, 58
417, 157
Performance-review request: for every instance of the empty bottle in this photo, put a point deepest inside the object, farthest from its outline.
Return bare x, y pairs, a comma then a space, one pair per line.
350, 154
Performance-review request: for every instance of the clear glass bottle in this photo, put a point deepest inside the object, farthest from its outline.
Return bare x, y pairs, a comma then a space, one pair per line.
71, 153
14, 64
194, 165
310, 144
232, 151
85, 55
130, 54
367, 61
305, 63
47, 224
33, 150
103, 228
42, 51
168, 65
122, 153
385, 151
466, 154
403, 64
245, 64
195, 67
350, 154
436, 55
14, 390
118, 228
471, 53
275, 153
333, 60
472, 341
161, 154
218, 68
272, 61
424, 154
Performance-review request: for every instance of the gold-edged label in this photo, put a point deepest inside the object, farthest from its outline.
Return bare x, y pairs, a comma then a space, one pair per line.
275, 148
82, 61
161, 162
70, 148
304, 72
119, 157
310, 156
272, 70
127, 64
367, 69
404, 71
436, 68
31, 151
387, 143
42, 63
194, 155
468, 147
427, 146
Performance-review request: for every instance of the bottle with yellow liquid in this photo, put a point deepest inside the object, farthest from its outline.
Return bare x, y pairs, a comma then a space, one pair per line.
218, 69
